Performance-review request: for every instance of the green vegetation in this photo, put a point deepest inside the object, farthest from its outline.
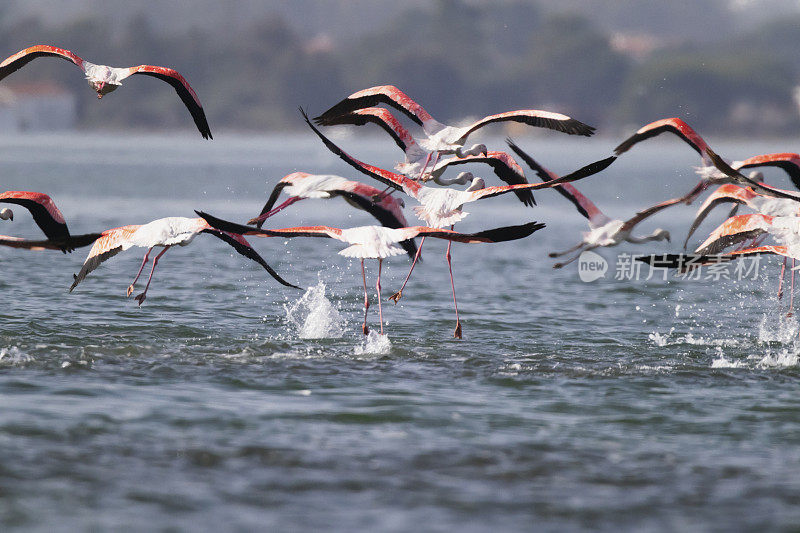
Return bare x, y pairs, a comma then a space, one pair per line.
456, 58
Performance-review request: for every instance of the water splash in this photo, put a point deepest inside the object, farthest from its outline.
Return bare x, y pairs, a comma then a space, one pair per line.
374, 343
779, 328
314, 316
13, 356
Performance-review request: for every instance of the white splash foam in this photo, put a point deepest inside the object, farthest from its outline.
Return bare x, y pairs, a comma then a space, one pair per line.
666, 339
375, 343
781, 329
13, 356
314, 316
782, 358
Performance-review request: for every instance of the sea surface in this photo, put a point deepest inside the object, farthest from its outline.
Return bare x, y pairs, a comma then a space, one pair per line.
229, 402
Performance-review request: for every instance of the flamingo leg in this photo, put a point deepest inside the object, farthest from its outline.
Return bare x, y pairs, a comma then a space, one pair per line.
144, 262
791, 292
364, 328
780, 280
140, 298
399, 294
565, 252
573, 258
378, 288
457, 332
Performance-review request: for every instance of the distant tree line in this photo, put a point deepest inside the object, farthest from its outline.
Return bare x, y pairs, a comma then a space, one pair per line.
456, 58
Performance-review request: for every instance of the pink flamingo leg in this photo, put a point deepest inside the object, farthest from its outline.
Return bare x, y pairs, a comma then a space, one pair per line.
399, 294
364, 328
457, 332
140, 298
780, 280
791, 292
378, 288
144, 262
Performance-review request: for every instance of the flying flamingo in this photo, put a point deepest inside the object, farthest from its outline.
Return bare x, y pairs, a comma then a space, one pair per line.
442, 207
441, 137
714, 169
104, 79
47, 217
603, 230
388, 210
164, 232
376, 242
418, 160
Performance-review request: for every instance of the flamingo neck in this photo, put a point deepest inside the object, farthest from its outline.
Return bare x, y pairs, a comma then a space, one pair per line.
280, 208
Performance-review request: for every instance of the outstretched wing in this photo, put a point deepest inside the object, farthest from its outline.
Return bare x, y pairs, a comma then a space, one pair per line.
733, 231
23, 57
584, 206
647, 213
503, 234
184, 90
391, 179
788, 162
241, 229
724, 194
672, 125
241, 245
381, 117
536, 118
737, 176
107, 245
44, 212
382, 94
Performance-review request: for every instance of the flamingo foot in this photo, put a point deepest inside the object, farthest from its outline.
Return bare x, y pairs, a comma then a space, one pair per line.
558, 265
130, 290
457, 332
365, 329
395, 297
140, 298
789, 314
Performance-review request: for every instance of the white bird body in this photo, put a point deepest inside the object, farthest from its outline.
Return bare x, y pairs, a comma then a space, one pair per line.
372, 242
169, 231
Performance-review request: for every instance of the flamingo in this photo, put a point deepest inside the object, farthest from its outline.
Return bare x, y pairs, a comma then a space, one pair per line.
714, 169
603, 230
442, 207
441, 137
376, 242
164, 232
47, 217
299, 185
77, 241
104, 79
417, 159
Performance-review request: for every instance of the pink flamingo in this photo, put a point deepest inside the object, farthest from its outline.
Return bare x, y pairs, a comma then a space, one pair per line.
104, 79
164, 232
47, 216
442, 207
377, 242
441, 137
388, 210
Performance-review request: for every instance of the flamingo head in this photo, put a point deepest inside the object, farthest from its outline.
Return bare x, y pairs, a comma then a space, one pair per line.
6, 214
476, 149
757, 176
102, 87
477, 183
661, 235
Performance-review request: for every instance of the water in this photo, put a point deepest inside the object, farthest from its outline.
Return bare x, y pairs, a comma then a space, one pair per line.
229, 402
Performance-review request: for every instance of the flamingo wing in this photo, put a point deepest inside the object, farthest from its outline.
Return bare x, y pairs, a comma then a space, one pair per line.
788, 162
647, 213
685, 263
503, 234
23, 57
44, 212
532, 117
17, 242
504, 166
391, 179
244, 248
672, 125
584, 206
738, 177
273, 197
241, 229
382, 94
381, 117
733, 231
184, 90
107, 245
724, 194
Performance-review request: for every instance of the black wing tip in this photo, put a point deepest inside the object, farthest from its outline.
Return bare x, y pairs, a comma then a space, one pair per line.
511, 233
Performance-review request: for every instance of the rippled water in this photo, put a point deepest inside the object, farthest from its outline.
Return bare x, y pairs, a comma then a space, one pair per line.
229, 402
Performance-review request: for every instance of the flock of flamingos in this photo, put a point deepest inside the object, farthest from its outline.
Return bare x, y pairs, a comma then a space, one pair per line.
427, 160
